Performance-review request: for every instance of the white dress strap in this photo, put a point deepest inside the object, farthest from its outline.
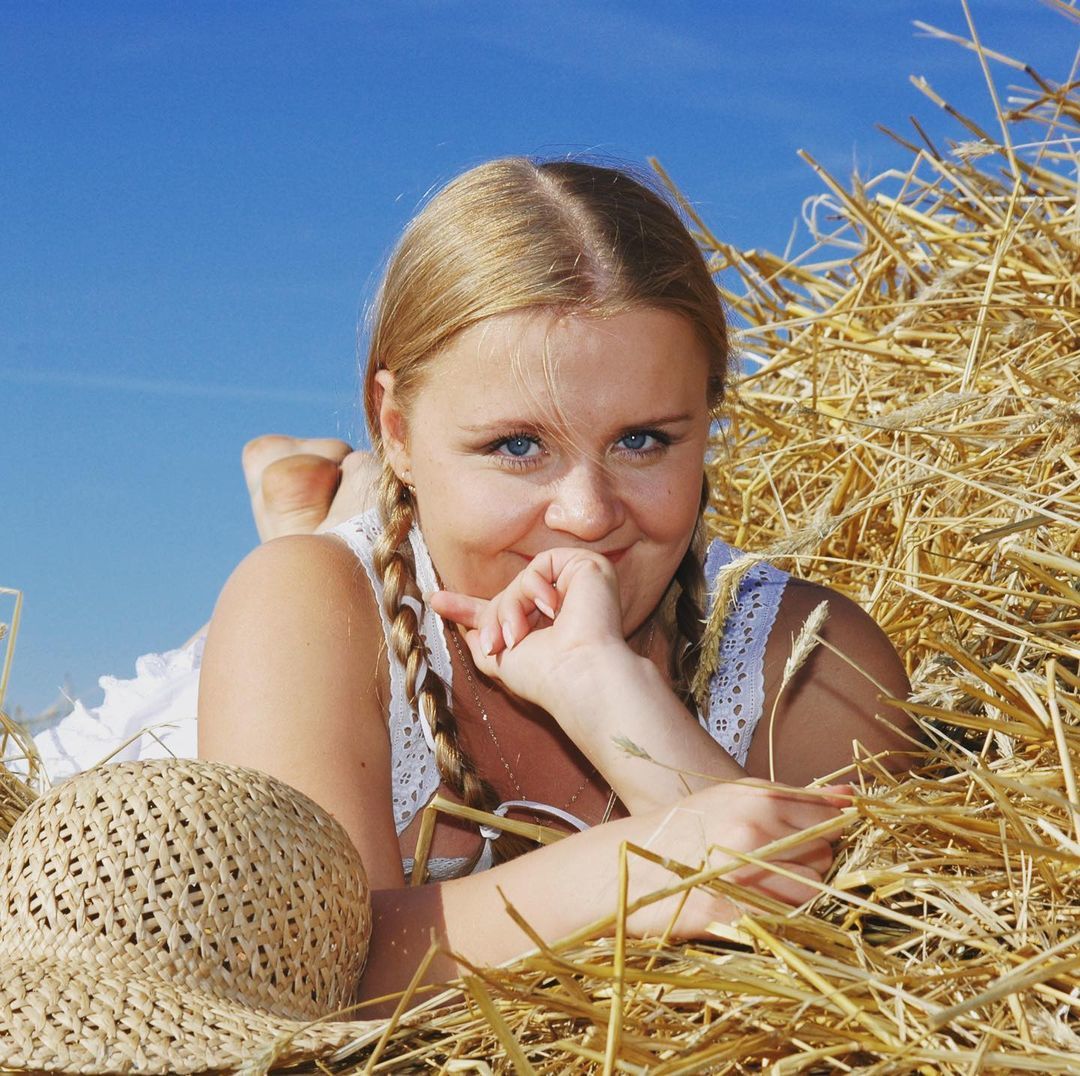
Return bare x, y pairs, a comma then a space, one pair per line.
737, 690
414, 773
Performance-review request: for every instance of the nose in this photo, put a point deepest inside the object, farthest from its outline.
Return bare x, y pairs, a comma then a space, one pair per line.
584, 504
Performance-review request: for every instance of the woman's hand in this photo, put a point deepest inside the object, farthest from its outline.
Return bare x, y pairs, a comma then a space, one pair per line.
702, 830
580, 669
556, 619
570, 885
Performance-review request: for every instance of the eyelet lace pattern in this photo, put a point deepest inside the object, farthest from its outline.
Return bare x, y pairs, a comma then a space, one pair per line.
737, 691
415, 775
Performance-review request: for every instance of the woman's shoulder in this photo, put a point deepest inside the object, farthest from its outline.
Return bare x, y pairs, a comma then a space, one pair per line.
848, 629
844, 681
292, 596
309, 566
294, 683
792, 600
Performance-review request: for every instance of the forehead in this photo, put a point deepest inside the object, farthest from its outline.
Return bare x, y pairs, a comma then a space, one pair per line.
540, 364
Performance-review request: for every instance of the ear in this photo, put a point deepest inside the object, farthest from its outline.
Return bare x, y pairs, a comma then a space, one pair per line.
393, 427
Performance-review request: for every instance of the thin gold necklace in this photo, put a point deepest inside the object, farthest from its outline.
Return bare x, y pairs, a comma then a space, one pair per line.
452, 632
486, 719
466, 664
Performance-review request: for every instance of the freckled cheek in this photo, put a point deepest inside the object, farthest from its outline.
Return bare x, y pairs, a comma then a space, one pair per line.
667, 512
471, 538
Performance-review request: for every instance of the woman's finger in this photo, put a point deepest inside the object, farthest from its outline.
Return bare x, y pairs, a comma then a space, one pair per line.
782, 886
801, 808
460, 608
512, 609
817, 854
481, 659
804, 816
540, 591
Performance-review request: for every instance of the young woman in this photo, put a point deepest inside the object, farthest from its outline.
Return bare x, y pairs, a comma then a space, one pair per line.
547, 353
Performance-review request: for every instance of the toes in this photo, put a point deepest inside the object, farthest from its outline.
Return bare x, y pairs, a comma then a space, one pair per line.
358, 490
296, 493
260, 452
330, 447
359, 465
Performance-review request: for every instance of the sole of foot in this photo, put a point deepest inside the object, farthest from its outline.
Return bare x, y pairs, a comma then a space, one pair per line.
292, 482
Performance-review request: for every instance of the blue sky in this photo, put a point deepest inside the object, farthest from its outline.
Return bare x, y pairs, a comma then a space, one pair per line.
197, 198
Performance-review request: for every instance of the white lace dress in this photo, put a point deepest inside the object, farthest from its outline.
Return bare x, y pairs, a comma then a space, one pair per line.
153, 715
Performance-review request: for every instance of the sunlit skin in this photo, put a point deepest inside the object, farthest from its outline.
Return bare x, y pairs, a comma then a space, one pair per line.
505, 467
578, 500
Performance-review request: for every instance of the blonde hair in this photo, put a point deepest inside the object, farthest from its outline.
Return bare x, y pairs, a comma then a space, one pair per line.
510, 235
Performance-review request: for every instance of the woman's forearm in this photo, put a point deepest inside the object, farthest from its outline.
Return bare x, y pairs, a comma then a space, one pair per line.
622, 714
568, 886
468, 916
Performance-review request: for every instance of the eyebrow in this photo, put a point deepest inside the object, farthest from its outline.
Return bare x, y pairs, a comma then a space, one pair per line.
664, 420
513, 423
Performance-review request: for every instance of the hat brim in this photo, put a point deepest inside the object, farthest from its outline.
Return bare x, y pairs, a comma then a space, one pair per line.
62, 1016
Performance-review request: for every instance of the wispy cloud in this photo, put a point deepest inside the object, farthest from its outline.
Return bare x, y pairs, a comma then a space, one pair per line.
166, 387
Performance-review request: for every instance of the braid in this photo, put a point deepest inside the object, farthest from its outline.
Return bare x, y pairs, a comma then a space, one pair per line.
396, 568
689, 607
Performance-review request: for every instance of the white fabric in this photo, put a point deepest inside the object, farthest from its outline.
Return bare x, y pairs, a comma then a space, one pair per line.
414, 773
163, 695
737, 690
150, 716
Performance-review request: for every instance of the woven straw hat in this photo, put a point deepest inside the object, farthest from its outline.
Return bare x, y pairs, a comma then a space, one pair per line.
177, 916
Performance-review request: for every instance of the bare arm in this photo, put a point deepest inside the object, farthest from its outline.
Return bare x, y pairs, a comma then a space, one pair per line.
834, 700
291, 686
562, 888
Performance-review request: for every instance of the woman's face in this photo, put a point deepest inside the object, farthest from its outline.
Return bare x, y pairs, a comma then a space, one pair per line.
531, 432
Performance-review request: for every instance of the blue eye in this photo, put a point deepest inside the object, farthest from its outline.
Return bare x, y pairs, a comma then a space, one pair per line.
636, 442
518, 447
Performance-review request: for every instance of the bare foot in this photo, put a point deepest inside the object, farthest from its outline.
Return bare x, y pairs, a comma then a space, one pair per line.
304, 485
358, 490
301, 485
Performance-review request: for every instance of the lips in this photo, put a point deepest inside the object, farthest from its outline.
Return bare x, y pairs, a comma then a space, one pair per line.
613, 555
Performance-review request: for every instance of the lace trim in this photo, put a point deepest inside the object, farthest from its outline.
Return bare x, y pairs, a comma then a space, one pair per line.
414, 773
737, 691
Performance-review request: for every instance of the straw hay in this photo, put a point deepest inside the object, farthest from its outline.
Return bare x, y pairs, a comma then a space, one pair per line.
909, 432
16, 748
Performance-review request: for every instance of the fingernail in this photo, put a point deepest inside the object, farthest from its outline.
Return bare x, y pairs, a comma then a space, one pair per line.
545, 609
508, 636
487, 640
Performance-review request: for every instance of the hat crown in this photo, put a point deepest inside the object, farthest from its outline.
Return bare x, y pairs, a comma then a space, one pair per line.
215, 878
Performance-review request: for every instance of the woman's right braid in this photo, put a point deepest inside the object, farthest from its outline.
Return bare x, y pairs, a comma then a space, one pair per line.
395, 567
